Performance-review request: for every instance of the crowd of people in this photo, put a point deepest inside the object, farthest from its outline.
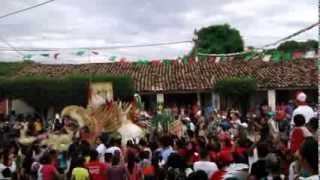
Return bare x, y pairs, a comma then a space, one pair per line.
214, 145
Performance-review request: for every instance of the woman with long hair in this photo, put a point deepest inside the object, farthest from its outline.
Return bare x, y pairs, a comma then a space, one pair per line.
133, 168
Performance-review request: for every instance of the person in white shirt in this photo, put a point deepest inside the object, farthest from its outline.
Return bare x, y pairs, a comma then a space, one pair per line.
303, 108
204, 164
7, 165
273, 127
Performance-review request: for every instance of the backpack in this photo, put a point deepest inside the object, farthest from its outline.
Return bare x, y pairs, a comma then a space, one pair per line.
6, 172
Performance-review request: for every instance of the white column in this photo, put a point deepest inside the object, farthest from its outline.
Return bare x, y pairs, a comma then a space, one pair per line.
7, 107
215, 100
272, 99
160, 98
199, 99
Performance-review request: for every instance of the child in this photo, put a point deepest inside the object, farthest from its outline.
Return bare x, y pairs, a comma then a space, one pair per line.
80, 172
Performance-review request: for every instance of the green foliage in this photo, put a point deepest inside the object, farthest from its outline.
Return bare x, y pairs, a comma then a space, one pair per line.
43, 92
236, 87
218, 39
10, 68
291, 46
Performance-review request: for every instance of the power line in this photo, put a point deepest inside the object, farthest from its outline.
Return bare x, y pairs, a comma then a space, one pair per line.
25, 9
291, 35
101, 48
10, 46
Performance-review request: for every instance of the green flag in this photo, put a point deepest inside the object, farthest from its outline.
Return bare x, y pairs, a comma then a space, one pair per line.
45, 55
167, 61
185, 60
249, 56
142, 62
27, 57
276, 56
80, 53
287, 56
112, 58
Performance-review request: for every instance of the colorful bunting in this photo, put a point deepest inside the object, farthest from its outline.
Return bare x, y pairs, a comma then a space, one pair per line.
275, 56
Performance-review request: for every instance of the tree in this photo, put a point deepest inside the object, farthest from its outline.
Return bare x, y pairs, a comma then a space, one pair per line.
291, 46
218, 39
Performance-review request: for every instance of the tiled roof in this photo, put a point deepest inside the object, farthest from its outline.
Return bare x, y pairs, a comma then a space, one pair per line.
199, 76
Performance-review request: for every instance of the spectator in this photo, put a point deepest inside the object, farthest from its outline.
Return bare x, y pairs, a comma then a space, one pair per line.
80, 172
309, 159
133, 168
313, 127
47, 170
258, 169
7, 165
97, 169
273, 167
204, 164
198, 175
117, 171
303, 109
166, 149
298, 133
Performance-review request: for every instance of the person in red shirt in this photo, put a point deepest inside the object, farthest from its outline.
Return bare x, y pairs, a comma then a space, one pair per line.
48, 171
97, 169
298, 133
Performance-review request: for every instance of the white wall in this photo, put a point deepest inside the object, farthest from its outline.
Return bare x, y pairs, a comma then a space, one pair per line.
20, 107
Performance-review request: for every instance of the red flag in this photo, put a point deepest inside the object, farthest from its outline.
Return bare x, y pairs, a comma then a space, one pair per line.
123, 60
211, 59
297, 55
56, 55
156, 62
190, 61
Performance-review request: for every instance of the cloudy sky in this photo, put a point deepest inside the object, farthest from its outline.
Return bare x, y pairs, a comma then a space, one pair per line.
100, 23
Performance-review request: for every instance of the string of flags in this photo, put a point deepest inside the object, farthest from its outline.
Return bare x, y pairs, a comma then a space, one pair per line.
266, 56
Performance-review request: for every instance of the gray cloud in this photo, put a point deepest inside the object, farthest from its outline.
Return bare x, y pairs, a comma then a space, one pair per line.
76, 23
